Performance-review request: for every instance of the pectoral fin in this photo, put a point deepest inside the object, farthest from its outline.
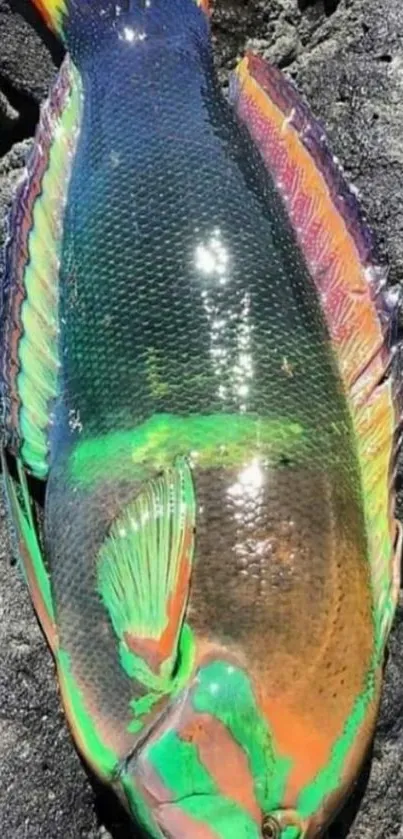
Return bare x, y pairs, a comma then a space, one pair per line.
144, 571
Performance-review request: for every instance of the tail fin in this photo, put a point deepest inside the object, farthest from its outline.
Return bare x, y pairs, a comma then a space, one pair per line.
68, 18
54, 13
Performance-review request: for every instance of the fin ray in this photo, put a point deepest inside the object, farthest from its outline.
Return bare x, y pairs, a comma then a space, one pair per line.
29, 307
144, 571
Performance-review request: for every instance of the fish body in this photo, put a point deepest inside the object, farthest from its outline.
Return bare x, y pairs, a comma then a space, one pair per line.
196, 362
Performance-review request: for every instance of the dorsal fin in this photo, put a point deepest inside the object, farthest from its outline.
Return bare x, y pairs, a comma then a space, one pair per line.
29, 304
359, 311
144, 570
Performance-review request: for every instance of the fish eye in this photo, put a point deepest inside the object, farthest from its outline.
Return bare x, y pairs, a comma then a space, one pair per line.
270, 828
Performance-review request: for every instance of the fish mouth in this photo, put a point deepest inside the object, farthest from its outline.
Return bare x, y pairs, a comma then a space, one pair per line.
203, 815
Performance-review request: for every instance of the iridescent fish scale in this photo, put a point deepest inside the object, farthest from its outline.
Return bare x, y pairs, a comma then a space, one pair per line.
218, 441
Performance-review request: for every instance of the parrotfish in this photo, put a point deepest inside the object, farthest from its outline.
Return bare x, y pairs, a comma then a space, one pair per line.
198, 378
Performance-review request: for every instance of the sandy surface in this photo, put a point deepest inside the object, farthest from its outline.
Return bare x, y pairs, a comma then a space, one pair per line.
347, 58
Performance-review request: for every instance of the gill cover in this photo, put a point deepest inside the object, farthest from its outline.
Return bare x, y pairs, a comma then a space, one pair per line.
210, 768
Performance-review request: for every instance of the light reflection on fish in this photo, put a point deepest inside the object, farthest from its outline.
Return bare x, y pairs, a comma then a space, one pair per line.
196, 358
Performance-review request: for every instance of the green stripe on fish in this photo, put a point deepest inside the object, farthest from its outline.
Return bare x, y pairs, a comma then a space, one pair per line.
234, 705
33, 564
329, 778
222, 440
103, 759
226, 818
205, 803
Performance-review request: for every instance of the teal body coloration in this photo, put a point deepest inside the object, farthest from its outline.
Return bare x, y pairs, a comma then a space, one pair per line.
176, 364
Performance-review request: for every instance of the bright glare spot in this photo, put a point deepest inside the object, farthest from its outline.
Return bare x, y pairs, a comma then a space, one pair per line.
243, 390
131, 35
212, 257
74, 420
253, 475
250, 481
288, 120
245, 362
217, 324
205, 261
214, 688
230, 329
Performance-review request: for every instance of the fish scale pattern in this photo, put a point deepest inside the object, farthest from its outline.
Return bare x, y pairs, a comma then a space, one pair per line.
211, 513
189, 300
189, 292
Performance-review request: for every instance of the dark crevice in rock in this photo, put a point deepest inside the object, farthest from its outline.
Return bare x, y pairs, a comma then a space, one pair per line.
229, 33
110, 812
29, 13
19, 114
329, 6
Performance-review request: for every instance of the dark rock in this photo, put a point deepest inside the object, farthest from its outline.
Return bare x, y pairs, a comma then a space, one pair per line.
347, 58
27, 65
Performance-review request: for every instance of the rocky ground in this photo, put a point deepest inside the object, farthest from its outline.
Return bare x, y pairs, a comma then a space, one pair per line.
347, 58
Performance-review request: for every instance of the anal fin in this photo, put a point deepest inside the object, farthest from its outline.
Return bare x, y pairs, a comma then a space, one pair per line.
359, 311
